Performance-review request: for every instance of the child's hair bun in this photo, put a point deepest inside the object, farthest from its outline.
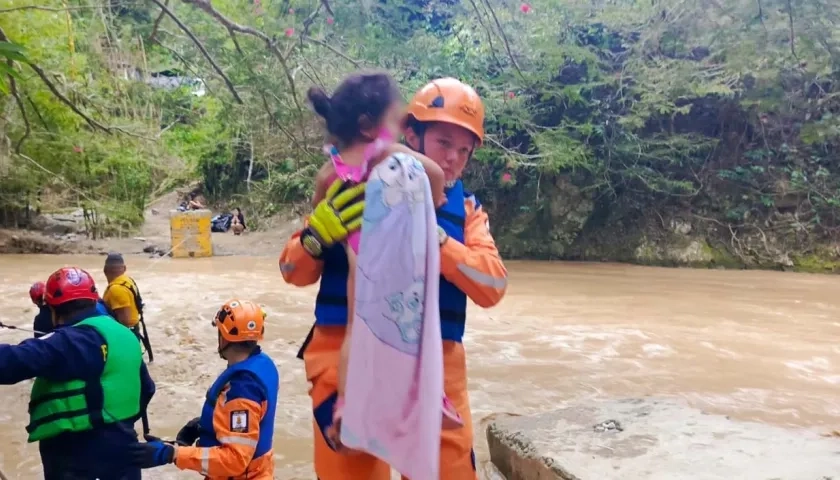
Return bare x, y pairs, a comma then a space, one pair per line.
320, 101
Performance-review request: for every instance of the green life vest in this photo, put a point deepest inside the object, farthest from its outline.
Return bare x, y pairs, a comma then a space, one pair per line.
59, 407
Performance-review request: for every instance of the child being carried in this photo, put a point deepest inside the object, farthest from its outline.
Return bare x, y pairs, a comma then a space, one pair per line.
363, 120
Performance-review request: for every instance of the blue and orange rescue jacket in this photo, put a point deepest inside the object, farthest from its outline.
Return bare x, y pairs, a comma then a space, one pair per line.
237, 423
470, 267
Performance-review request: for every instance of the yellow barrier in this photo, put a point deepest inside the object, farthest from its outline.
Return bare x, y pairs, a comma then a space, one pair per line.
190, 233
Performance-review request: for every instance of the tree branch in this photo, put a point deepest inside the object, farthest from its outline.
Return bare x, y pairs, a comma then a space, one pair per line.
203, 50
307, 22
187, 64
236, 43
14, 91
48, 9
761, 15
157, 22
792, 32
487, 31
329, 47
37, 113
504, 37
270, 44
93, 123
326, 6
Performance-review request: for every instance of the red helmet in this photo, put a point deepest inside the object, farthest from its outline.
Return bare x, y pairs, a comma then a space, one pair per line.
68, 284
36, 292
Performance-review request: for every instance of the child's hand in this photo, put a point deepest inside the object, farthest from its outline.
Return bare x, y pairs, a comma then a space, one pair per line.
440, 200
433, 171
334, 431
334, 437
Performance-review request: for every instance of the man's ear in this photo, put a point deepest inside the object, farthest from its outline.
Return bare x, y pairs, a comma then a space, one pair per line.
411, 138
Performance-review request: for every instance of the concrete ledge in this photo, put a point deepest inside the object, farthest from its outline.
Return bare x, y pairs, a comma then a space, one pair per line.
655, 439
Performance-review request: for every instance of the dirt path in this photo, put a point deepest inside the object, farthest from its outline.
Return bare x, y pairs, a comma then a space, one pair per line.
153, 238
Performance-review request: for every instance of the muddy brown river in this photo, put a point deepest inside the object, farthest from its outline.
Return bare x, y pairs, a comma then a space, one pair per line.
754, 345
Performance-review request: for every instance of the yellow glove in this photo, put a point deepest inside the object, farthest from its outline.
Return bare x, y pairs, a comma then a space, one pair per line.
335, 217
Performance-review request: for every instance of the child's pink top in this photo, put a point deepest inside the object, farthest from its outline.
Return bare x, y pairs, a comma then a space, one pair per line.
356, 173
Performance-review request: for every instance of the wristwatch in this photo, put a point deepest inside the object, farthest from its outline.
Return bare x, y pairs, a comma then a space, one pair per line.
442, 236
311, 244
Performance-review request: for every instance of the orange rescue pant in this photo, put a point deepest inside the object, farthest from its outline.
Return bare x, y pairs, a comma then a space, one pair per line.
457, 459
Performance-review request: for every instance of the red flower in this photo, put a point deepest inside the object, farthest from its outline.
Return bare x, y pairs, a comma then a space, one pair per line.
330, 21
291, 11
506, 177
77, 149
511, 95
290, 32
525, 8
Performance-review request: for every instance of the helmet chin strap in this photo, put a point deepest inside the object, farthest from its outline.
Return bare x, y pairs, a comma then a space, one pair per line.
223, 345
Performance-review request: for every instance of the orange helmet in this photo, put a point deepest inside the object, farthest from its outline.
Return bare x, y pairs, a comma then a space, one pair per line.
240, 321
448, 100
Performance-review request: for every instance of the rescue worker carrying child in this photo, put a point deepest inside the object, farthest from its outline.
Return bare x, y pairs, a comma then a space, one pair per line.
445, 123
234, 435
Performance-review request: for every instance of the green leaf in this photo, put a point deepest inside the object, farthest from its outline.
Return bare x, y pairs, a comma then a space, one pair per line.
13, 51
7, 70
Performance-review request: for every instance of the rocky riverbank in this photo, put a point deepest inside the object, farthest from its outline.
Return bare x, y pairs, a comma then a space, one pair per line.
573, 233
568, 224
62, 233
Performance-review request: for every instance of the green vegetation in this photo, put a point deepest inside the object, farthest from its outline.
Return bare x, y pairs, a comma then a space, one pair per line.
615, 128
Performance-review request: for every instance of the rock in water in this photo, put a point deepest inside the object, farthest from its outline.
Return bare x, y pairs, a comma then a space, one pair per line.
655, 439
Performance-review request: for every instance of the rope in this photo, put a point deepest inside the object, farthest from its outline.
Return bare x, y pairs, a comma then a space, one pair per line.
12, 327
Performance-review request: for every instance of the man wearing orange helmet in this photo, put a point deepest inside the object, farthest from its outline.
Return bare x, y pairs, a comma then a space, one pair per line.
445, 122
233, 436
91, 385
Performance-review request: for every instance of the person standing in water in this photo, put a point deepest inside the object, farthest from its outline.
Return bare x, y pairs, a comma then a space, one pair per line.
234, 434
91, 385
445, 122
122, 299
42, 324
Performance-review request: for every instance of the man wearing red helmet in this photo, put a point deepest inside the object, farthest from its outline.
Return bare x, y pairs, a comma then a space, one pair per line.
43, 320
445, 122
91, 385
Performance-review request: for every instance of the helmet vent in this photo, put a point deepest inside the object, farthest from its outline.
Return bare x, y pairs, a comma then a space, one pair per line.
438, 102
